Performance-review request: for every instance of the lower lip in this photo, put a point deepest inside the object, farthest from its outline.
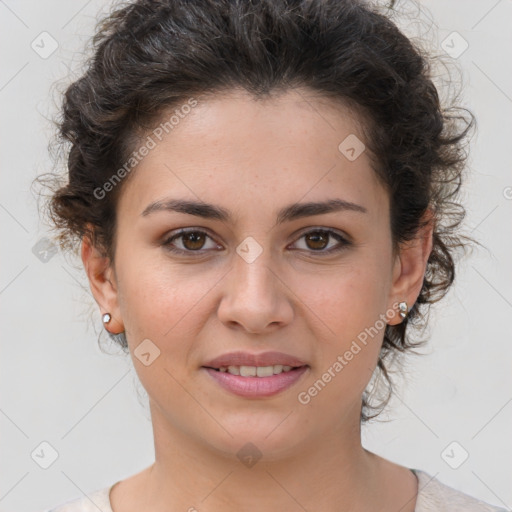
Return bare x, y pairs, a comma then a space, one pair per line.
257, 386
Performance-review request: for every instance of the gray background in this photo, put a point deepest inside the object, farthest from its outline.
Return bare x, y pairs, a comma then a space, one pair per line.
59, 387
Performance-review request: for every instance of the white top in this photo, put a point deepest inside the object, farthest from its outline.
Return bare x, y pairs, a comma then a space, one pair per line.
433, 496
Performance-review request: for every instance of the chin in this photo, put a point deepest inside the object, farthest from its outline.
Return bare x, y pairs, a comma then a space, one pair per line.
266, 440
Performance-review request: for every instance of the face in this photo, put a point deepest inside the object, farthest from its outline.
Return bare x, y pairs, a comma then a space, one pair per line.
309, 284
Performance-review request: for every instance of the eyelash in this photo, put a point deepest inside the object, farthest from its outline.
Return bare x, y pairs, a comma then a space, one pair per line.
343, 241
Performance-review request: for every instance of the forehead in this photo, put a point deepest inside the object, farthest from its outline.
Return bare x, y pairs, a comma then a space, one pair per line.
232, 148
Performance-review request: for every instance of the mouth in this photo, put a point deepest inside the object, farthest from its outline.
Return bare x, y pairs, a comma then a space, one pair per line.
256, 371
257, 382
252, 364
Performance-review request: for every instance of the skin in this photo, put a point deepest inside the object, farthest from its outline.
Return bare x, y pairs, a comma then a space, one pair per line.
253, 158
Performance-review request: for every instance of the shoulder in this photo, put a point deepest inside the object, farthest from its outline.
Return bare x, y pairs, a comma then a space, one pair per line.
96, 501
434, 496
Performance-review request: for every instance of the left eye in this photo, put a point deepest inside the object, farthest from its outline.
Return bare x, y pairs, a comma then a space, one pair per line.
316, 241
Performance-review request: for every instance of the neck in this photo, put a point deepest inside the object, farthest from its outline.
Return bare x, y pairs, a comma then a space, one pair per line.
331, 472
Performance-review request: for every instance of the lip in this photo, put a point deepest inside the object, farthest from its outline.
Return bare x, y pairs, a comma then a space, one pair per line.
241, 358
257, 387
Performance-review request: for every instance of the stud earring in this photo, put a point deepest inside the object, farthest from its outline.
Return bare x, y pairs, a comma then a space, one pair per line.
402, 309
106, 318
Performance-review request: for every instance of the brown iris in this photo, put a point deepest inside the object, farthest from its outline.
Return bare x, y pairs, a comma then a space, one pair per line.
317, 237
193, 240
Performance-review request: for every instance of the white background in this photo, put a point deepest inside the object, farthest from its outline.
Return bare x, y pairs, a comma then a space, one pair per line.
59, 387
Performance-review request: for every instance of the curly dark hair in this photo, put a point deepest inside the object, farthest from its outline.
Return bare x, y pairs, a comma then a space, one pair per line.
150, 56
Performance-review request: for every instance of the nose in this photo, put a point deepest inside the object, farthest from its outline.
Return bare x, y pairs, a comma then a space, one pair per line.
255, 296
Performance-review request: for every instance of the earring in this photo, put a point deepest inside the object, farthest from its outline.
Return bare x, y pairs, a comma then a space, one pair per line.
402, 309
106, 318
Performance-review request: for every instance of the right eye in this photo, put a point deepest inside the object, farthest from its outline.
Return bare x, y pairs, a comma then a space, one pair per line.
192, 241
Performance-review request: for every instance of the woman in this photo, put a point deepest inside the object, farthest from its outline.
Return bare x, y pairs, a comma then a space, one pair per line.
264, 198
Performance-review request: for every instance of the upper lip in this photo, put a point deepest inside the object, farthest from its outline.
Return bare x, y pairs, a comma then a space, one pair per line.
241, 358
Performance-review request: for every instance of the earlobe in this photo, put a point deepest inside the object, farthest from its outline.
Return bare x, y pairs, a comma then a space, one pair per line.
103, 285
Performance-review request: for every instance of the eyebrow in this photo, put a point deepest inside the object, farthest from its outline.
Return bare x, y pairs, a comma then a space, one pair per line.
286, 214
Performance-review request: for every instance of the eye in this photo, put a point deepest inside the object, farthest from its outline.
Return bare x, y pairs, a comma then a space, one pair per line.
318, 239
193, 240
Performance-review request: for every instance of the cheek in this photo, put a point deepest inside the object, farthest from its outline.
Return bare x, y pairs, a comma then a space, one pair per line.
162, 301
166, 307
346, 300
348, 307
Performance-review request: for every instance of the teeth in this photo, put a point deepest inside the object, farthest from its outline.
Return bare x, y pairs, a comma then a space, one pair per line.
234, 370
256, 371
265, 371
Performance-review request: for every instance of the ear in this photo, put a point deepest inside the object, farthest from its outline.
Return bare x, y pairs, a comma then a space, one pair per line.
103, 284
409, 267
